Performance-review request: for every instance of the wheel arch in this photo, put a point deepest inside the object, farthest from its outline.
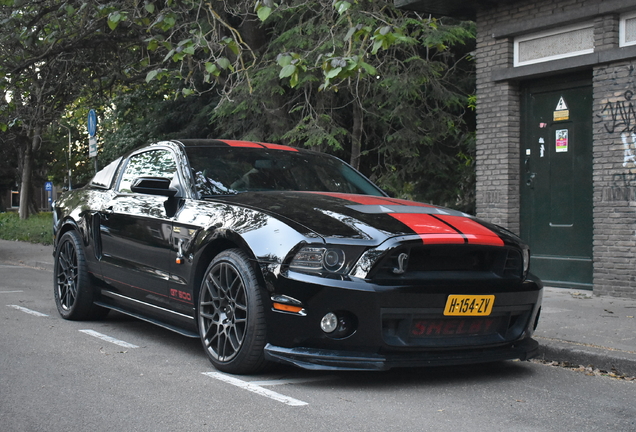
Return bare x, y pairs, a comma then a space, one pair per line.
66, 225
213, 247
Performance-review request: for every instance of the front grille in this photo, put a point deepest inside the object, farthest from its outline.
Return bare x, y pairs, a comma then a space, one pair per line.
443, 261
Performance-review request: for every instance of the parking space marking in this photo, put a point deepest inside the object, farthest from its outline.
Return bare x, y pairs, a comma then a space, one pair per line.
10, 292
255, 389
291, 381
106, 338
29, 311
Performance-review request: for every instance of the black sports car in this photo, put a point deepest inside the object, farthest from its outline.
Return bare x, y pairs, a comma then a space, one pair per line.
270, 253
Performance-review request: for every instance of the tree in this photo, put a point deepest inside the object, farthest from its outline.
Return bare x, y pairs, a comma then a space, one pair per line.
387, 89
374, 84
50, 52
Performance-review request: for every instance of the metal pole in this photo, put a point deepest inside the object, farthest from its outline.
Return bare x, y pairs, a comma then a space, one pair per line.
68, 161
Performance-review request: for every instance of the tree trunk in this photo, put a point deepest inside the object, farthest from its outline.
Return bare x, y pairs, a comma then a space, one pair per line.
356, 135
27, 170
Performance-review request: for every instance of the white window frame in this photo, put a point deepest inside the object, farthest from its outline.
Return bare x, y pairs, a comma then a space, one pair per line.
621, 29
551, 32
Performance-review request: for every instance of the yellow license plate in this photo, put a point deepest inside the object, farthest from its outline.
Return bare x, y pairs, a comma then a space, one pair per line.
475, 305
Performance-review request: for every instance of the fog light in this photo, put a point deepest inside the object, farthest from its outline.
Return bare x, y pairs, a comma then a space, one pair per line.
329, 323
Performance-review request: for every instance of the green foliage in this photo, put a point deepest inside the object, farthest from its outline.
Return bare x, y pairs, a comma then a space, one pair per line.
143, 114
388, 90
51, 51
361, 76
36, 229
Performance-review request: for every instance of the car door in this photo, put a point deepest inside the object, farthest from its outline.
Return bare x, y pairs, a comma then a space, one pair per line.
136, 231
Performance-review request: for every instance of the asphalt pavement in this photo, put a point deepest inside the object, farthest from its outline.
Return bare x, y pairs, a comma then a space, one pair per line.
575, 326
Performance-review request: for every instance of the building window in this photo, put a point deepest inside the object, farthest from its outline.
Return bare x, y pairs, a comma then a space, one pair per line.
15, 199
627, 29
554, 44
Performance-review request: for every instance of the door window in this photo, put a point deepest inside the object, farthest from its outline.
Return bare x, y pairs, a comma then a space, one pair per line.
154, 163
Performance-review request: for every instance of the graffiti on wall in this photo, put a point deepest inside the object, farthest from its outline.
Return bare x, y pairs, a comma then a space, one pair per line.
619, 118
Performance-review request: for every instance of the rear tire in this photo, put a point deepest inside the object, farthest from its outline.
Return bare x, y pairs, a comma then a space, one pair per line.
231, 315
74, 292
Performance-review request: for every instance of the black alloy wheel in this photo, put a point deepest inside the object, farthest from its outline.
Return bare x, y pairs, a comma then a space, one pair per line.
73, 289
231, 315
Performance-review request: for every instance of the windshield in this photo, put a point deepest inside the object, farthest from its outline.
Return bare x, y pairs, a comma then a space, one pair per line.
222, 171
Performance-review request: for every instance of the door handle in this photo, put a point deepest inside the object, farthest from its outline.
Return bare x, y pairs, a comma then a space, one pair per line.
529, 175
530, 179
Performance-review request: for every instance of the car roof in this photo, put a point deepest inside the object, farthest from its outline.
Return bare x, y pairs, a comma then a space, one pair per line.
233, 143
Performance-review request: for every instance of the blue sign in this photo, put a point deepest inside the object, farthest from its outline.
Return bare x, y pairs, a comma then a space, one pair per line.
48, 186
92, 123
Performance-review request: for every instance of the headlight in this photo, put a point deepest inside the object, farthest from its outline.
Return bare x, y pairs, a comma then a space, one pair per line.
333, 259
317, 259
308, 258
525, 253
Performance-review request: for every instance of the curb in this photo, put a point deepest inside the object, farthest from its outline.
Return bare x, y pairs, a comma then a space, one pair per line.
620, 362
42, 265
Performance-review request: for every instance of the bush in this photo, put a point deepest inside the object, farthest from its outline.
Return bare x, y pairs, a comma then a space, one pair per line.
36, 229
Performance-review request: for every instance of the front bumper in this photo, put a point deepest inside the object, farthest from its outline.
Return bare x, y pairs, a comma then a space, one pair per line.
323, 359
400, 326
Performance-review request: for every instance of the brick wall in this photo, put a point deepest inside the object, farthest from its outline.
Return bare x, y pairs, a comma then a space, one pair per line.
498, 133
614, 138
615, 179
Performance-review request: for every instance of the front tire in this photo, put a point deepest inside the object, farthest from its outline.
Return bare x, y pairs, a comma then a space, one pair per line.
231, 315
74, 292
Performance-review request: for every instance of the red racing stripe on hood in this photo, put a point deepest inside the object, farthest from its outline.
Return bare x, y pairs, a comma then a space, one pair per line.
433, 229
430, 229
475, 232
372, 200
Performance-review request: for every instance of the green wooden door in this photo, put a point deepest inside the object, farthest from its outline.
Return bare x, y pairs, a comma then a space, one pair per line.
556, 181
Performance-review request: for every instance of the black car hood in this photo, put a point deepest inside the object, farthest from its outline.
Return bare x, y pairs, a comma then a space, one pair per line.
371, 218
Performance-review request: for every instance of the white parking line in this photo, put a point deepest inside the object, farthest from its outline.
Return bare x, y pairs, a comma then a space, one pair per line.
103, 337
29, 311
255, 389
9, 292
291, 381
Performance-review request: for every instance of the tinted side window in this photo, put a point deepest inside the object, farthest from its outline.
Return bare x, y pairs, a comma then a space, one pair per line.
153, 163
104, 178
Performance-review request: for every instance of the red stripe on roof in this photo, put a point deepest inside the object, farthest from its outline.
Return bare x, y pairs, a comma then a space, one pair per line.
279, 147
236, 143
475, 232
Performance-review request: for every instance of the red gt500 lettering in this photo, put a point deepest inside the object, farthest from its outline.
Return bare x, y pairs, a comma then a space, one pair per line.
180, 294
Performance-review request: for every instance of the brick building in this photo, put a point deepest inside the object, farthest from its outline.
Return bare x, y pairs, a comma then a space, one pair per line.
556, 132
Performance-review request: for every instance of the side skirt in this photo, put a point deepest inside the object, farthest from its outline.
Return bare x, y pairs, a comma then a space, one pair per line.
182, 330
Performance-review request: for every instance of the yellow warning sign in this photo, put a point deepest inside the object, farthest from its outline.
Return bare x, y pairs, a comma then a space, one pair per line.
561, 115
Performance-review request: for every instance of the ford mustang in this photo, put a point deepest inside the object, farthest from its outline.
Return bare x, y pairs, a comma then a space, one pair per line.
269, 253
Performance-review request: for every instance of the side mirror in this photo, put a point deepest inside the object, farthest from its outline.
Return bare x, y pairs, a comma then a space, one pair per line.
153, 186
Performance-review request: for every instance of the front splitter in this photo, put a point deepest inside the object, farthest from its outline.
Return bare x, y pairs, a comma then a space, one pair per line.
321, 359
